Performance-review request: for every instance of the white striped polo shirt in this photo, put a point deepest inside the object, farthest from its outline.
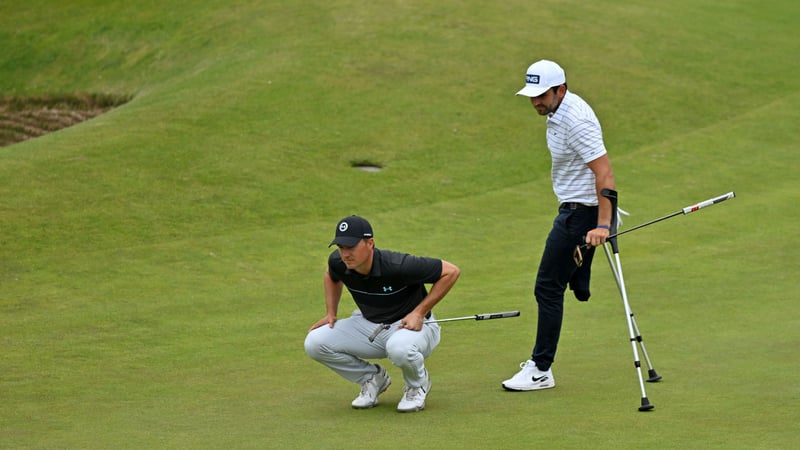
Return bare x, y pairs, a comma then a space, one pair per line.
575, 138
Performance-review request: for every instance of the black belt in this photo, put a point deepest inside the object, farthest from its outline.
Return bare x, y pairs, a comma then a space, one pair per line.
572, 205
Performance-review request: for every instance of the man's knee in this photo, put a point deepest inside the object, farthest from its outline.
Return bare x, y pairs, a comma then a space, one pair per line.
314, 344
400, 352
548, 294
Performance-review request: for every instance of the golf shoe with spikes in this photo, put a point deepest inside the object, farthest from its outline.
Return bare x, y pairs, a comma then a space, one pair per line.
371, 389
414, 397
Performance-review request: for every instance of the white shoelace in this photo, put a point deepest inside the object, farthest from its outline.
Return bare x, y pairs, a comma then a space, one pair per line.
365, 390
412, 394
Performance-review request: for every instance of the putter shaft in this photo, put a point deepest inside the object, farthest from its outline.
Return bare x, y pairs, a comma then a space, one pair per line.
684, 211
487, 316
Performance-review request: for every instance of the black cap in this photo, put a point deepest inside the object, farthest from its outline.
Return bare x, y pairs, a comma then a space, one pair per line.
350, 230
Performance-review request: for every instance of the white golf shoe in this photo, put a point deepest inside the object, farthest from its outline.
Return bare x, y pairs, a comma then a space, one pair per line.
414, 398
371, 389
530, 378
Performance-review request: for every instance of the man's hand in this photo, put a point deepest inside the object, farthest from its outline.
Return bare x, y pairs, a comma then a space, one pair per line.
413, 321
329, 320
597, 237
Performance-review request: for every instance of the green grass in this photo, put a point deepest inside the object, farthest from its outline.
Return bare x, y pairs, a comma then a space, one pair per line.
160, 264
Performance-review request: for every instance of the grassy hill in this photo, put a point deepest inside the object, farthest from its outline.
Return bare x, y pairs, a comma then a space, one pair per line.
161, 263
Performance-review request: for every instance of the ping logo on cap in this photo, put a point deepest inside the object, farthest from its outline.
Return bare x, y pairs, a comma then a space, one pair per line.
531, 78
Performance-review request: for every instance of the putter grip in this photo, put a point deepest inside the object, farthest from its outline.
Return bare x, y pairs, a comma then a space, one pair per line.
709, 202
499, 315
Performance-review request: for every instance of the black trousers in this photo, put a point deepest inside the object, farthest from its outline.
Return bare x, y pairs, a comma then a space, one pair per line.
557, 270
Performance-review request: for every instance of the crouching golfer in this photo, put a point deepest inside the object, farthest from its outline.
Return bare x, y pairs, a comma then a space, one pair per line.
393, 305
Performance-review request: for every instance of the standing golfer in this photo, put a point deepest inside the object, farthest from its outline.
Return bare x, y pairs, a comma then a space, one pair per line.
580, 170
393, 304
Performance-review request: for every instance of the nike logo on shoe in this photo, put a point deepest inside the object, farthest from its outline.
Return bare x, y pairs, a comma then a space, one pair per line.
527, 379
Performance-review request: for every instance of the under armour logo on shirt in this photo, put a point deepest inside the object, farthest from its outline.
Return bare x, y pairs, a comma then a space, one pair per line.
387, 289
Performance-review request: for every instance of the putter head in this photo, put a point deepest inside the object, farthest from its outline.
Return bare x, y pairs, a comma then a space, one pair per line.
378, 330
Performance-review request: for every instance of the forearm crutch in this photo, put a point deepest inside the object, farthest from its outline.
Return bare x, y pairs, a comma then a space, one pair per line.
651, 371
633, 330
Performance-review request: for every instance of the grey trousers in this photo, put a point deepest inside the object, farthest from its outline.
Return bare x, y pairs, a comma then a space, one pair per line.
345, 347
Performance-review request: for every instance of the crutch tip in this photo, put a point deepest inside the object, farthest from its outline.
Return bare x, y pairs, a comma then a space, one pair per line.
646, 405
654, 377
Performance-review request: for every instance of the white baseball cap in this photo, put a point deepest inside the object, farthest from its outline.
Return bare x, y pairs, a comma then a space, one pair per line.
541, 76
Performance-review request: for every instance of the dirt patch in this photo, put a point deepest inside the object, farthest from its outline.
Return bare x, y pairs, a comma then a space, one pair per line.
23, 118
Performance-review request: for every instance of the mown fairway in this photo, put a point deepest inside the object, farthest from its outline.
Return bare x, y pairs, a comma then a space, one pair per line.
160, 264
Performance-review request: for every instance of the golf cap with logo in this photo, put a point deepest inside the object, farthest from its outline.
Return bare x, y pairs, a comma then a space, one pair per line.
351, 230
541, 76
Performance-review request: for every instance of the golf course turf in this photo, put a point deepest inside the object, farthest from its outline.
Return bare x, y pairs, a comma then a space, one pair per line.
162, 262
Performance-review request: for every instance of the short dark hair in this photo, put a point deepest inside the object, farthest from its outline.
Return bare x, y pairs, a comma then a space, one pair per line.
555, 88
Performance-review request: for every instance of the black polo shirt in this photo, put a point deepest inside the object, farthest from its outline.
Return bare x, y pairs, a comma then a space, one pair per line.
394, 286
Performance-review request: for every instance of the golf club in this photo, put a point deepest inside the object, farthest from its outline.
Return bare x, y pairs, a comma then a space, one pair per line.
684, 211
485, 316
